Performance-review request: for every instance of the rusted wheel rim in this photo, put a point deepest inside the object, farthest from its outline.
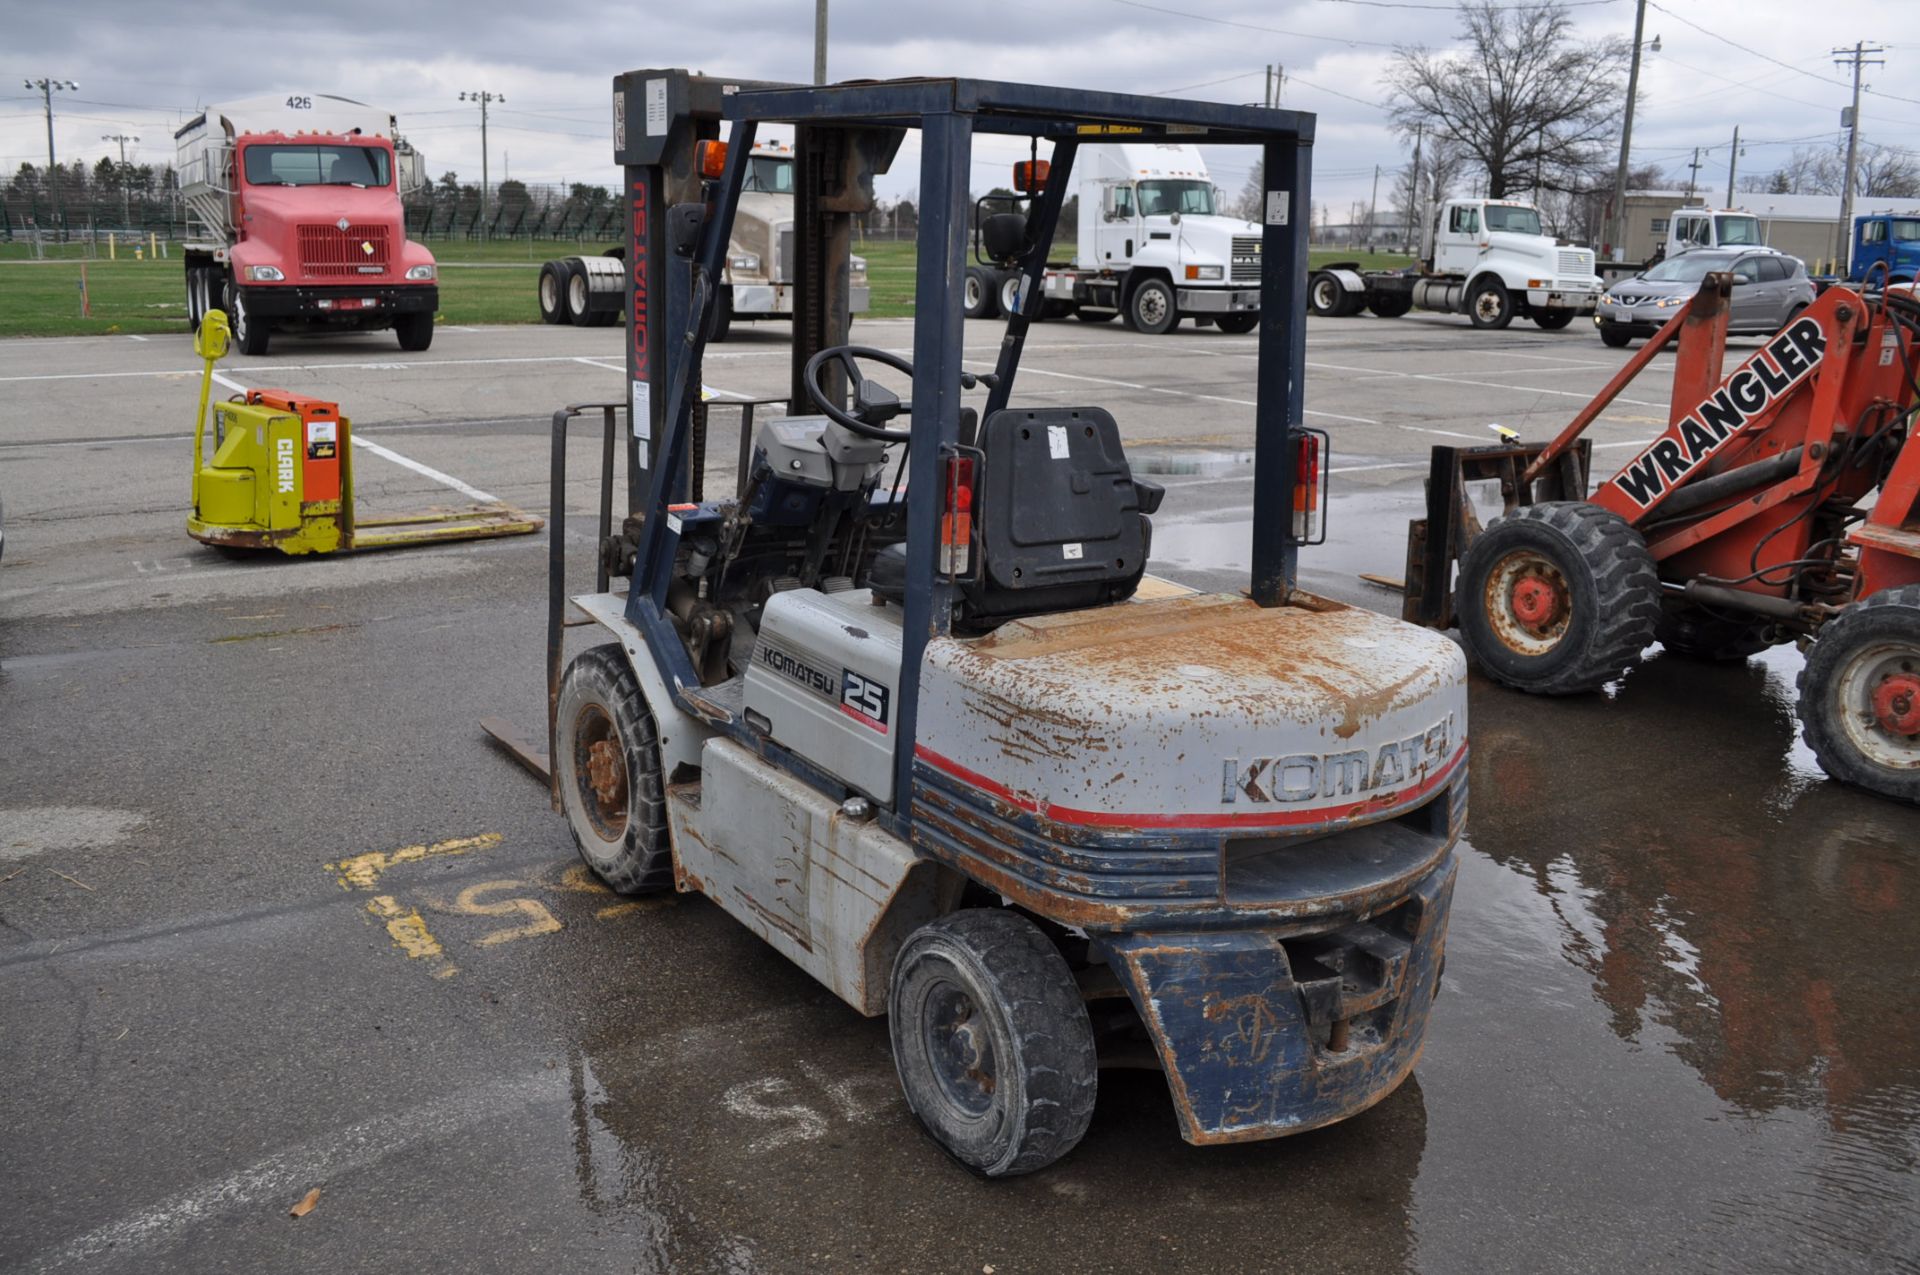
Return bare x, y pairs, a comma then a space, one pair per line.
600, 771
1879, 702
959, 1044
1528, 603
1488, 304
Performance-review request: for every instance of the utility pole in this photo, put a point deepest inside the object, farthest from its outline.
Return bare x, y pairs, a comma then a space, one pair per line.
1733, 164
1373, 201
819, 41
1626, 133
1414, 226
126, 203
1859, 56
1266, 92
485, 99
1693, 173
46, 87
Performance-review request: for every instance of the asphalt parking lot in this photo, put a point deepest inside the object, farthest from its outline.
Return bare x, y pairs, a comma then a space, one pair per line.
274, 915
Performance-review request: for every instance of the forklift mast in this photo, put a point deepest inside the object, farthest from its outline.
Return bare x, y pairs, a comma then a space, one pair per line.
680, 204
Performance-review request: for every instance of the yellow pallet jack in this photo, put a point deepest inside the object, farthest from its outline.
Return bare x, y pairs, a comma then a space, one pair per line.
281, 477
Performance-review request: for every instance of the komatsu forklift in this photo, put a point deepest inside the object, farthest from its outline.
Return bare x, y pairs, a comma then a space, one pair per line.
901, 703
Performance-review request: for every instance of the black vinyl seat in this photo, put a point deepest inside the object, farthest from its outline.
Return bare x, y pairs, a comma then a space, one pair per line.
1061, 521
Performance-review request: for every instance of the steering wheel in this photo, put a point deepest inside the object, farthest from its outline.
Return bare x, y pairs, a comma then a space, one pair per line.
873, 404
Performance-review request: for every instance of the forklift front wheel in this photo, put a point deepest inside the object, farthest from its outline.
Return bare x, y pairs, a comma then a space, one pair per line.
1557, 598
607, 761
1860, 695
992, 1041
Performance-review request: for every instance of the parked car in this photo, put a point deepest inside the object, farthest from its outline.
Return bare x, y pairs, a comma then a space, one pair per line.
1769, 288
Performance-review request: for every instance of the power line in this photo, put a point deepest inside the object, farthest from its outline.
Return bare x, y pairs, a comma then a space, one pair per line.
1248, 26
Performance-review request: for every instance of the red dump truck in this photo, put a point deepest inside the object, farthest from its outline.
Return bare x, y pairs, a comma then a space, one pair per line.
296, 204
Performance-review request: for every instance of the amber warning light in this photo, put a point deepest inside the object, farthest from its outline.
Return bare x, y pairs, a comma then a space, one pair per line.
1030, 175
713, 159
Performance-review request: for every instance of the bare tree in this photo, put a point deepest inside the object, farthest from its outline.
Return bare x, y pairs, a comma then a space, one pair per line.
1887, 173
1884, 172
1440, 167
1252, 199
1525, 101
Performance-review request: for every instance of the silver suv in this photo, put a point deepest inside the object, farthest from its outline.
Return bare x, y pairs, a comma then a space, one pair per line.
1769, 288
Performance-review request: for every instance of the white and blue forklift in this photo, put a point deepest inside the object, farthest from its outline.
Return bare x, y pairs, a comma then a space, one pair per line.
904, 702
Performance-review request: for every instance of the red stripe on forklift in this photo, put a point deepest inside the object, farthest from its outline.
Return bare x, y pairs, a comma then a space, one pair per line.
1257, 819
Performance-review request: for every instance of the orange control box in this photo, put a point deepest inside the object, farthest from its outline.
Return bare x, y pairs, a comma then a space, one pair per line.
325, 433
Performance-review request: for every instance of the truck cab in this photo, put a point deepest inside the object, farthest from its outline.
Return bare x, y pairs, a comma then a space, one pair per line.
1154, 243
759, 278
1883, 237
1691, 228
1493, 260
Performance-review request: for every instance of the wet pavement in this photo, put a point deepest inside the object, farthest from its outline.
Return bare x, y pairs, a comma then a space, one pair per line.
273, 916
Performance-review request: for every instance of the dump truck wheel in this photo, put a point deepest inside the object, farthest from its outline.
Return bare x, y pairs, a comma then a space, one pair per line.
1557, 598
1552, 320
1490, 305
978, 294
606, 758
415, 331
250, 334
1695, 633
1615, 336
553, 293
1860, 695
992, 1041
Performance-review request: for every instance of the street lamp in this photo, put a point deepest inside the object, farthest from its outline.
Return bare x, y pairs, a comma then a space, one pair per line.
46, 87
126, 205
485, 99
1626, 129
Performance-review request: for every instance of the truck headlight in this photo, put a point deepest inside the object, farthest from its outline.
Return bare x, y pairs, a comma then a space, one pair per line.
858, 266
1206, 272
264, 274
420, 272
747, 261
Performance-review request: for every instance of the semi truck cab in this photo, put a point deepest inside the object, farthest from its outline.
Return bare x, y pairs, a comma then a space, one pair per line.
1883, 237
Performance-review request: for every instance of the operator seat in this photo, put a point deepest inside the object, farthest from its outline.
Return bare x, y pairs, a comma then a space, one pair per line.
1060, 521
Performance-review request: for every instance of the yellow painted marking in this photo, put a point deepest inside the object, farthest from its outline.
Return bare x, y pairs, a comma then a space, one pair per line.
363, 870
624, 909
542, 921
410, 934
580, 877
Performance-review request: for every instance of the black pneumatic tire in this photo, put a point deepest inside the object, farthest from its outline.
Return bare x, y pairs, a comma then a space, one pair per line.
1615, 336
1593, 585
992, 1042
1851, 657
1390, 305
1489, 304
1095, 316
1153, 308
1326, 295
250, 333
415, 331
1552, 320
1238, 324
979, 297
606, 758
553, 293
721, 324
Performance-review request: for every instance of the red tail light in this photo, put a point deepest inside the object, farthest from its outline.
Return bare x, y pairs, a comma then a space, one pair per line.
956, 516
1306, 488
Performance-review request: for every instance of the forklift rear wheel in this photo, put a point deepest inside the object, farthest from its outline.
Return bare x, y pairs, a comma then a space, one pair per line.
1697, 633
249, 333
992, 1041
1151, 309
1552, 320
1557, 598
978, 294
1489, 305
606, 759
414, 330
1860, 695
1615, 336
1237, 324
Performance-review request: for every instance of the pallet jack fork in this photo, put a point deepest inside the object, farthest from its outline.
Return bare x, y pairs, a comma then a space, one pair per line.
281, 477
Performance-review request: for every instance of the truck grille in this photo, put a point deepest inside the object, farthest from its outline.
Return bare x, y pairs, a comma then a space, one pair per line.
328, 252
1576, 261
784, 264
1246, 259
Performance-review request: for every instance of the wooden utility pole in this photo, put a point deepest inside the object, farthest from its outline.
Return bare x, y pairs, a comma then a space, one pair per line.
1626, 135
1733, 164
1861, 55
819, 41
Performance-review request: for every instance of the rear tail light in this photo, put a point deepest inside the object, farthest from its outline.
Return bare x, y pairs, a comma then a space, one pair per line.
956, 516
1309, 477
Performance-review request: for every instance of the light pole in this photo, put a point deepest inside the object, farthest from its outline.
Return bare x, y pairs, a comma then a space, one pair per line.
1626, 131
126, 202
819, 41
485, 99
46, 87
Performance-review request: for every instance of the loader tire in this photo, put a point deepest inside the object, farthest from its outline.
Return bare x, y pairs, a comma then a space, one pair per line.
606, 760
1557, 598
1696, 633
1860, 695
992, 1041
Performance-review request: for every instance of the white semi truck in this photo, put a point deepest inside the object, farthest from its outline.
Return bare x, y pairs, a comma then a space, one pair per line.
757, 283
1152, 247
1490, 261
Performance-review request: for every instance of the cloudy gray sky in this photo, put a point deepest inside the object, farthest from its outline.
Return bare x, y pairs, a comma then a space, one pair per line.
145, 65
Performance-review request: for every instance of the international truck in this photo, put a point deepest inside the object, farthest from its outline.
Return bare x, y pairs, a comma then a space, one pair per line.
756, 285
296, 208
1152, 247
1490, 260
1889, 239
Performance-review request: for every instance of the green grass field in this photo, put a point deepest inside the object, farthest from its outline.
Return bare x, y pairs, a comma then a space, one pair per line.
479, 283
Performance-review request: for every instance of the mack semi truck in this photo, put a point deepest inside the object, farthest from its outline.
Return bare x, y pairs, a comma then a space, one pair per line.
1490, 260
1152, 247
296, 206
756, 285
